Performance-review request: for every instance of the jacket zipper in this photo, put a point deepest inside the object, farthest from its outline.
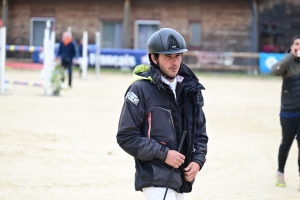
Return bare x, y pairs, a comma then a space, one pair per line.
171, 118
185, 129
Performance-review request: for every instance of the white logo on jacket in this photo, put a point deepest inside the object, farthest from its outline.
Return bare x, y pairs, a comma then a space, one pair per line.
132, 97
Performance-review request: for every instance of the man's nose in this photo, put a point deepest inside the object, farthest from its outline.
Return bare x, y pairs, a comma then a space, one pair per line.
174, 59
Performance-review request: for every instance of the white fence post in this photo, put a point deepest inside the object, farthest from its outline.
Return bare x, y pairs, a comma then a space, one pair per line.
52, 47
2, 58
70, 31
98, 47
84, 60
46, 71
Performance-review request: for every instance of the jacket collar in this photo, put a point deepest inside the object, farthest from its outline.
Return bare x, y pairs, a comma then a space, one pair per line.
145, 72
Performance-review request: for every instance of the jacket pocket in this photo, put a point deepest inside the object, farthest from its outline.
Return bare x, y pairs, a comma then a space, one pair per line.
199, 102
161, 174
161, 125
285, 96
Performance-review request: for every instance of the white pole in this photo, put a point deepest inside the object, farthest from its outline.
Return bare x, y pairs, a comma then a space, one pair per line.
84, 61
52, 46
98, 48
70, 31
2, 58
46, 72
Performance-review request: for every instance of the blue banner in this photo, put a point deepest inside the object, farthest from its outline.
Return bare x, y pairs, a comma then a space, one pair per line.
266, 60
119, 58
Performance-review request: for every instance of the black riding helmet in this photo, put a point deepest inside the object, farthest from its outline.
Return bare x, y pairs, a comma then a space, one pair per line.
165, 41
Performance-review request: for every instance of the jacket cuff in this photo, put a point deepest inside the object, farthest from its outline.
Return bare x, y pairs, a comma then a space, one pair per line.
163, 152
199, 163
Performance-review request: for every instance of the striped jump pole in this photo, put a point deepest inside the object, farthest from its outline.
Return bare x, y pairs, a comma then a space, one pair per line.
24, 83
24, 48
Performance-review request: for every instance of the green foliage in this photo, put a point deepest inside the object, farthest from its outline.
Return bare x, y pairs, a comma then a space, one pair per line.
57, 78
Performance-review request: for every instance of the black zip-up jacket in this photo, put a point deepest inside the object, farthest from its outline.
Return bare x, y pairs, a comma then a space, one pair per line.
152, 122
289, 69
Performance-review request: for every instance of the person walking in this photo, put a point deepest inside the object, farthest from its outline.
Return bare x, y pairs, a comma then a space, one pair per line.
289, 69
67, 52
162, 123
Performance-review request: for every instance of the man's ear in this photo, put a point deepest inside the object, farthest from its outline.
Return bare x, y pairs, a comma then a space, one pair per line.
153, 58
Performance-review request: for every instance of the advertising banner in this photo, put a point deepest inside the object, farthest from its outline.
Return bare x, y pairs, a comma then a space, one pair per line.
118, 58
266, 60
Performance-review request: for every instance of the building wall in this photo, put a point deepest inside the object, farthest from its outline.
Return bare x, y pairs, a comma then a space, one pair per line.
80, 15
283, 13
293, 26
18, 30
272, 23
226, 25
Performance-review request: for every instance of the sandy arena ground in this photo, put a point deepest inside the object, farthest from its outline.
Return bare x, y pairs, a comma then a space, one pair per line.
65, 148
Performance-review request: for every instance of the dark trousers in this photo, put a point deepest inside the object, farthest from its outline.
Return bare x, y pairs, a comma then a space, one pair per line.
290, 131
69, 66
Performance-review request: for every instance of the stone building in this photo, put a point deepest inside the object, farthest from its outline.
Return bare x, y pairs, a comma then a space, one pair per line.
207, 25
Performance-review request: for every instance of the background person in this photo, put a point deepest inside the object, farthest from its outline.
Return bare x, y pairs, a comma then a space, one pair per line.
67, 52
163, 102
289, 69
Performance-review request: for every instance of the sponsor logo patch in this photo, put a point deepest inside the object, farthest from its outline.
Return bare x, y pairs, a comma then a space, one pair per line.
132, 97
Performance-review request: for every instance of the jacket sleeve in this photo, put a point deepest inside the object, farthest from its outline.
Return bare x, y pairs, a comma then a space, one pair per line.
280, 67
201, 139
130, 136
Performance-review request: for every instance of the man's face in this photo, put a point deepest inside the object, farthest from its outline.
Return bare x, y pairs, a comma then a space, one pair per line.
65, 36
169, 63
295, 46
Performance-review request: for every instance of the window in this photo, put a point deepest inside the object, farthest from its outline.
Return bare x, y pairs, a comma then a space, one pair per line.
37, 28
143, 29
111, 34
195, 34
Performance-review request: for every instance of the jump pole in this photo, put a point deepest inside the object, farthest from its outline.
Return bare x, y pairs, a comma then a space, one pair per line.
46, 71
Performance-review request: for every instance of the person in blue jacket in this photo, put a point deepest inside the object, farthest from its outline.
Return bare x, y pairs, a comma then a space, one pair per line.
67, 52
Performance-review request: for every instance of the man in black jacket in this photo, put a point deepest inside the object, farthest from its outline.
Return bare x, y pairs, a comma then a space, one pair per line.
163, 103
289, 69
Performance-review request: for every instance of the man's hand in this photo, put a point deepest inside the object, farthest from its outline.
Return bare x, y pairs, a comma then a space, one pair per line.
191, 171
174, 158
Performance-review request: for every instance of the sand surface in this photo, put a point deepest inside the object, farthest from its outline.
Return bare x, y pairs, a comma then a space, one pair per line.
65, 148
